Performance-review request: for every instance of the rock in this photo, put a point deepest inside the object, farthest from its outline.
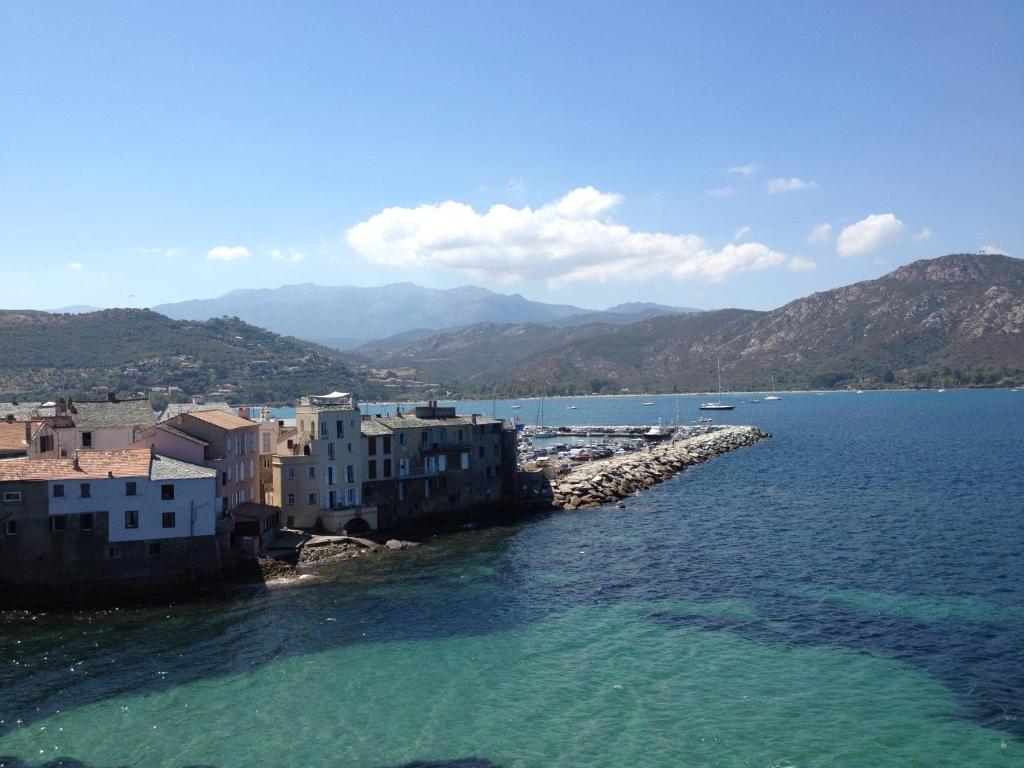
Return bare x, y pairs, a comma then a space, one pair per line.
396, 544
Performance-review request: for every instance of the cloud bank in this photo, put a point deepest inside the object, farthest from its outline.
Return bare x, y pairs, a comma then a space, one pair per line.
571, 239
870, 234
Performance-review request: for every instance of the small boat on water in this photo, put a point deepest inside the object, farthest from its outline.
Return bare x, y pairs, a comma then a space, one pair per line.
717, 405
772, 396
657, 432
571, 408
753, 400
648, 402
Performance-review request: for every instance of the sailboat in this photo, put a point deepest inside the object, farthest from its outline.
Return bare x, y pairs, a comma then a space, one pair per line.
717, 405
772, 396
541, 430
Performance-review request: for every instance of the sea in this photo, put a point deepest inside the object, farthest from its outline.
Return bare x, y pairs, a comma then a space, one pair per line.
847, 593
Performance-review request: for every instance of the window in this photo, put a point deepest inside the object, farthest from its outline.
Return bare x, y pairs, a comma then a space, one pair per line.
223, 478
84, 490
58, 523
371, 469
312, 473
387, 467
330, 475
289, 473
87, 439
241, 472
371, 446
154, 549
442, 463
424, 437
11, 527
58, 490
12, 496
290, 498
464, 460
85, 522
129, 489
339, 427
350, 473
167, 492
351, 497
387, 444
311, 498
113, 552
330, 451
401, 438
266, 442
323, 428
45, 443
167, 520
404, 468
461, 433
131, 518
428, 487
487, 471
350, 447
401, 491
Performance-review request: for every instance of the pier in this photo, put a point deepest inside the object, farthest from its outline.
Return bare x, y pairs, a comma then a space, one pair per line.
593, 483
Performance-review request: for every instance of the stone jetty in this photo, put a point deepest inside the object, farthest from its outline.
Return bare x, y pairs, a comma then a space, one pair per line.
593, 483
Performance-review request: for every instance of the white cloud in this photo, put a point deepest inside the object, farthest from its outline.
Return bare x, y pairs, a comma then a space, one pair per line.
870, 234
228, 253
924, 234
800, 264
292, 257
740, 233
789, 185
821, 233
76, 265
994, 250
167, 253
720, 192
743, 170
568, 240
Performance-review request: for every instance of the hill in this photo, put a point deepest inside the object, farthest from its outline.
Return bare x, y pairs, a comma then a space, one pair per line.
44, 354
347, 316
955, 318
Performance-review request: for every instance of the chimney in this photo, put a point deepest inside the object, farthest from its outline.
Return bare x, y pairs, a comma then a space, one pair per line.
9, 418
28, 432
77, 465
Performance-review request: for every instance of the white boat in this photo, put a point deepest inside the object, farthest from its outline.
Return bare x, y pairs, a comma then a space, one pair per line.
772, 396
571, 408
648, 402
657, 432
717, 405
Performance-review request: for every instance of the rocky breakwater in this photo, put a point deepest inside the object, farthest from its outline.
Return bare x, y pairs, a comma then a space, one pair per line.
601, 482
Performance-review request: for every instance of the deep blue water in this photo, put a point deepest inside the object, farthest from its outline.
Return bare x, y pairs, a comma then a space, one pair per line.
850, 592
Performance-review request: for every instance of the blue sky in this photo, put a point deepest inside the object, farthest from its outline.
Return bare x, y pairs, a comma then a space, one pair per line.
707, 155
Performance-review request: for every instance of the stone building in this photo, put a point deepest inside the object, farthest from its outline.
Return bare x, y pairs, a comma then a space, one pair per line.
434, 465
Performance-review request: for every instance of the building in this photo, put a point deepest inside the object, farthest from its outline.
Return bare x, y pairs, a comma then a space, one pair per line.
274, 437
230, 448
318, 473
110, 424
435, 465
102, 523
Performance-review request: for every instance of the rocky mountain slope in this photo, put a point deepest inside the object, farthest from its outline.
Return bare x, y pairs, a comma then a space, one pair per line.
955, 318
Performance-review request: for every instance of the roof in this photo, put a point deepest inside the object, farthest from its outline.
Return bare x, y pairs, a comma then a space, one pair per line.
174, 431
411, 422
25, 411
12, 436
252, 511
372, 427
166, 468
133, 462
176, 409
221, 419
95, 414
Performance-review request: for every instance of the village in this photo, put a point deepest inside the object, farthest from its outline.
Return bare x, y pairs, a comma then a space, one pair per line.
107, 497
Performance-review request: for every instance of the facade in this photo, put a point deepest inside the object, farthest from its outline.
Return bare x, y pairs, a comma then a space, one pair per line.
436, 465
318, 473
104, 522
102, 425
231, 449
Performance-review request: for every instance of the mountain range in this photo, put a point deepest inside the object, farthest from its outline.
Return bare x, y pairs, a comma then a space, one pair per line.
958, 318
344, 317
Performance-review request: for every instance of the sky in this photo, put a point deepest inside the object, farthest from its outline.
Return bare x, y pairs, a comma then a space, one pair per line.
706, 155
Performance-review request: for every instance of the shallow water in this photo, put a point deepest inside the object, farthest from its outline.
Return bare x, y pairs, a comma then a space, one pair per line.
849, 593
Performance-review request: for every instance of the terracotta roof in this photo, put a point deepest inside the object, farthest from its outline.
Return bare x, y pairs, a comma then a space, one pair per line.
221, 419
91, 465
12, 436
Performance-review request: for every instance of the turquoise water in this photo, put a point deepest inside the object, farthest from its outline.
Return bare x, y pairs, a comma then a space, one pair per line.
849, 593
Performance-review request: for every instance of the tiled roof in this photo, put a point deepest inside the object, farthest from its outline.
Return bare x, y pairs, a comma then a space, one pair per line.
174, 431
95, 414
166, 468
221, 419
12, 436
409, 421
25, 411
373, 427
133, 462
176, 409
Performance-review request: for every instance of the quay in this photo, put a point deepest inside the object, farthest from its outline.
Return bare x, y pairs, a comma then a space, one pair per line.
593, 483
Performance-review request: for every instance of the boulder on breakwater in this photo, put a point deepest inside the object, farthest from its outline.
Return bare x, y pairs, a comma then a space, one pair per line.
601, 482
